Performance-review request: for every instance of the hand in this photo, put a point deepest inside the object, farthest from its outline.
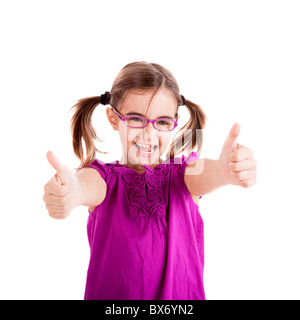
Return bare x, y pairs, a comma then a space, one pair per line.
237, 165
62, 191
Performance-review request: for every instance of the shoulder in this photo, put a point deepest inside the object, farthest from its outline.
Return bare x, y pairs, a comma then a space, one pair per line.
184, 161
181, 167
179, 164
190, 166
193, 167
190, 159
102, 167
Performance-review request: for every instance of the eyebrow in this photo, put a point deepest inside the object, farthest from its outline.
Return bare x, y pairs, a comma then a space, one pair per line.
139, 114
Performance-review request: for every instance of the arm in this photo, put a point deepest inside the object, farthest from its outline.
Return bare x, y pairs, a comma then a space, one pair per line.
236, 166
66, 190
203, 176
92, 187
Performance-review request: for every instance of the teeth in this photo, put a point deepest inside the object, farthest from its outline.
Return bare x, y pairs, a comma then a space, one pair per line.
145, 145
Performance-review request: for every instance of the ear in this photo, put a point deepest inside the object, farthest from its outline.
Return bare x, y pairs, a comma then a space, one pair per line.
112, 118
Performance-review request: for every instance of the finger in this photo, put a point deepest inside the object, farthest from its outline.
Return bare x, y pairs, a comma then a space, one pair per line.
244, 175
56, 208
56, 200
246, 164
242, 153
56, 165
247, 183
55, 189
57, 215
230, 142
53, 160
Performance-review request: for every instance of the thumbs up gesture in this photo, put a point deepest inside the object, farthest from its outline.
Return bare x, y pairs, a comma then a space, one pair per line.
236, 162
62, 191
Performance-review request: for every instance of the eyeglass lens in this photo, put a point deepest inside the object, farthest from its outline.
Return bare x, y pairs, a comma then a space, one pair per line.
162, 125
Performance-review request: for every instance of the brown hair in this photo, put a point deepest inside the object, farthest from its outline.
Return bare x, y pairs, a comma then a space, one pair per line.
140, 75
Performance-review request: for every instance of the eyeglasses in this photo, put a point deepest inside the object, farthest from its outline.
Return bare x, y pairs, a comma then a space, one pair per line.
141, 122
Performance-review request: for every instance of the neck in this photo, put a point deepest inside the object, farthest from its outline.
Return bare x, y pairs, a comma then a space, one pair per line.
138, 167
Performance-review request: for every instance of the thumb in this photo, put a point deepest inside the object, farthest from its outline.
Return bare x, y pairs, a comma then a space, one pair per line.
58, 166
230, 142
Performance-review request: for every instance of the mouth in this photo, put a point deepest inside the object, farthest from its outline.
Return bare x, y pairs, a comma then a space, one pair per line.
146, 149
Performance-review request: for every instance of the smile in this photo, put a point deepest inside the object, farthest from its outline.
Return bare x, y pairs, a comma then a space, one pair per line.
146, 148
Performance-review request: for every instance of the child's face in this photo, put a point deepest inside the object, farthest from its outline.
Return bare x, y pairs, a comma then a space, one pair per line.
163, 104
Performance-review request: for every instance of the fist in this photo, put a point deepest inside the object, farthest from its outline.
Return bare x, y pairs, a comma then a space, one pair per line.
237, 165
62, 191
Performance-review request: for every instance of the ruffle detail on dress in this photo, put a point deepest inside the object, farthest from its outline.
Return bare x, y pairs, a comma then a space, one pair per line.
145, 192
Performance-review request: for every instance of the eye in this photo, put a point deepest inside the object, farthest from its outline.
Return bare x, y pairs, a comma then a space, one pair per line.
161, 122
135, 119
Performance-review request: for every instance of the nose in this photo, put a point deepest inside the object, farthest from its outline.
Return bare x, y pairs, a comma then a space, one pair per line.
149, 130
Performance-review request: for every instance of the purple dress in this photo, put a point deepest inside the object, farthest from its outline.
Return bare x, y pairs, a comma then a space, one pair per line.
146, 237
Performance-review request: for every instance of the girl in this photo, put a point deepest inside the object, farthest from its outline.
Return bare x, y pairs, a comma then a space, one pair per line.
144, 228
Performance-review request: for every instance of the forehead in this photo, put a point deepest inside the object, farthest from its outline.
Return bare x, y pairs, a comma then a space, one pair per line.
163, 103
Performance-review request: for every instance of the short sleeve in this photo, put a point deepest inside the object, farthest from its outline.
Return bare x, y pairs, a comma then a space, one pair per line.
185, 160
101, 167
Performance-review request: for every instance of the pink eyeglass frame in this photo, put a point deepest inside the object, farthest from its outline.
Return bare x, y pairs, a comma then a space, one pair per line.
148, 120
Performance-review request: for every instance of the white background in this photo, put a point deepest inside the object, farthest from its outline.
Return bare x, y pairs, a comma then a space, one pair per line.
238, 59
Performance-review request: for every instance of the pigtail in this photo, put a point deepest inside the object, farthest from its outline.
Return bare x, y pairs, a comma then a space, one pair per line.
191, 133
82, 129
